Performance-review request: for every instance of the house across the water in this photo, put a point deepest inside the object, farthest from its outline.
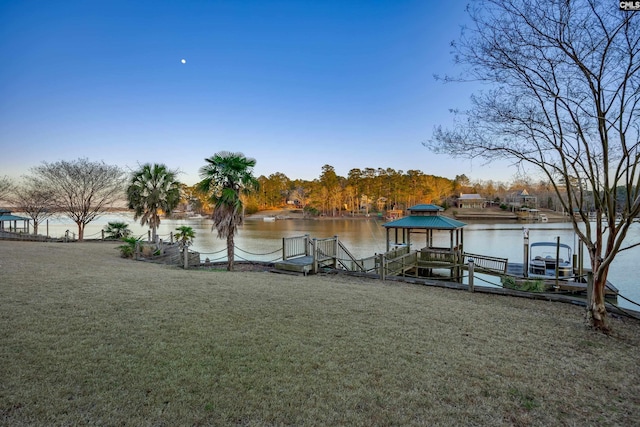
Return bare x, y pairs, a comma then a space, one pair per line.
471, 201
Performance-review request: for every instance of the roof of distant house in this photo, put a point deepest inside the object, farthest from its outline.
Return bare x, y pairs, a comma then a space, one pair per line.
470, 197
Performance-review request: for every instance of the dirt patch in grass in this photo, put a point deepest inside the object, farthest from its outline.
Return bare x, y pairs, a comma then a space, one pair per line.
87, 337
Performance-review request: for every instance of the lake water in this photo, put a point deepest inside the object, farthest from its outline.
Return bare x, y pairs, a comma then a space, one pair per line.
262, 241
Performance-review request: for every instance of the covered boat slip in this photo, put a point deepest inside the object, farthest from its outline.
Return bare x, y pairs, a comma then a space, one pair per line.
424, 219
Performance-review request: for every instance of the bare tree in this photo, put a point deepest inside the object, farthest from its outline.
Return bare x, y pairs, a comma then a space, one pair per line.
563, 91
81, 189
6, 186
35, 201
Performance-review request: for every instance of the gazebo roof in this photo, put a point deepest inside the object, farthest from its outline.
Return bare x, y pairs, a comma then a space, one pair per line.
425, 208
435, 222
6, 215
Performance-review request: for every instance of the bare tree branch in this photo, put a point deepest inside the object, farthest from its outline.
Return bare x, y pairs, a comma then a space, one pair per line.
564, 98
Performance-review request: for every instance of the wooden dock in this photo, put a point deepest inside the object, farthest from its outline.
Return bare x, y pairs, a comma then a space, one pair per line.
304, 255
303, 264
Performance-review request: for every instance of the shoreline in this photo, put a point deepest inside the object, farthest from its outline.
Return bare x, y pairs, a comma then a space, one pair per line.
476, 215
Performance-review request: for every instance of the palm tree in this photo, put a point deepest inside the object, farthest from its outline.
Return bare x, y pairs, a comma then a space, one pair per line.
226, 177
153, 189
117, 230
185, 236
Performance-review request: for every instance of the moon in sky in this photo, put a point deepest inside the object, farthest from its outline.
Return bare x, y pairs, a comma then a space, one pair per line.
184, 61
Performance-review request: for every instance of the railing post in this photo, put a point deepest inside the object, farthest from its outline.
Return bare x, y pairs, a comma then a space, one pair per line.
306, 245
284, 248
335, 252
471, 274
382, 267
557, 272
102, 232
314, 248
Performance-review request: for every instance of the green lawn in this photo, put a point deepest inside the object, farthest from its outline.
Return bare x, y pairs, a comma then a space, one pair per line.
88, 338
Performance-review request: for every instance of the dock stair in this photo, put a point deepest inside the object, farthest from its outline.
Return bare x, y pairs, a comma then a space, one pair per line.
303, 254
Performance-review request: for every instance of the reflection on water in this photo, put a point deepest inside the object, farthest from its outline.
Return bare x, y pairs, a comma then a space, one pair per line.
260, 240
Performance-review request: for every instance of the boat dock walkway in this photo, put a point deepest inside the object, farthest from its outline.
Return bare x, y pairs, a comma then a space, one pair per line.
306, 255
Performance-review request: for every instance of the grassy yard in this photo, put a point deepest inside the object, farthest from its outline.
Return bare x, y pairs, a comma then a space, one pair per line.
88, 338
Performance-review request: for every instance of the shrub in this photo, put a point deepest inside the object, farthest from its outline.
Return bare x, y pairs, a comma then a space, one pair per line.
115, 230
311, 211
534, 285
129, 248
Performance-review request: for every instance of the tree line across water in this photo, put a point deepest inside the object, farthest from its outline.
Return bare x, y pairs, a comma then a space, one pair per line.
83, 189
371, 190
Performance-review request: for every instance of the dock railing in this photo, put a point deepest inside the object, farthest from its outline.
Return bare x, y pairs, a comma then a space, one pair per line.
395, 262
293, 247
487, 263
348, 261
431, 257
324, 250
398, 266
369, 264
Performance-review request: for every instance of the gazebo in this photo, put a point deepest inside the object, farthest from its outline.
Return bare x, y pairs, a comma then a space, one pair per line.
425, 219
7, 217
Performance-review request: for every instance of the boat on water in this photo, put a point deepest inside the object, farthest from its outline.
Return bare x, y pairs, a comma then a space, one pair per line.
196, 216
545, 256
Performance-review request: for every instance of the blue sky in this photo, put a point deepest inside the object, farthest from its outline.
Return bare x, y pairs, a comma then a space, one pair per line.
294, 84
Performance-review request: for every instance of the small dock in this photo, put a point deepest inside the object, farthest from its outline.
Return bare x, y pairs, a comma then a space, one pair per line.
302, 264
305, 255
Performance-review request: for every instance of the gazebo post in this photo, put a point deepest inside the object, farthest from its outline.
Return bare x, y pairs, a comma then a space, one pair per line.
388, 229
